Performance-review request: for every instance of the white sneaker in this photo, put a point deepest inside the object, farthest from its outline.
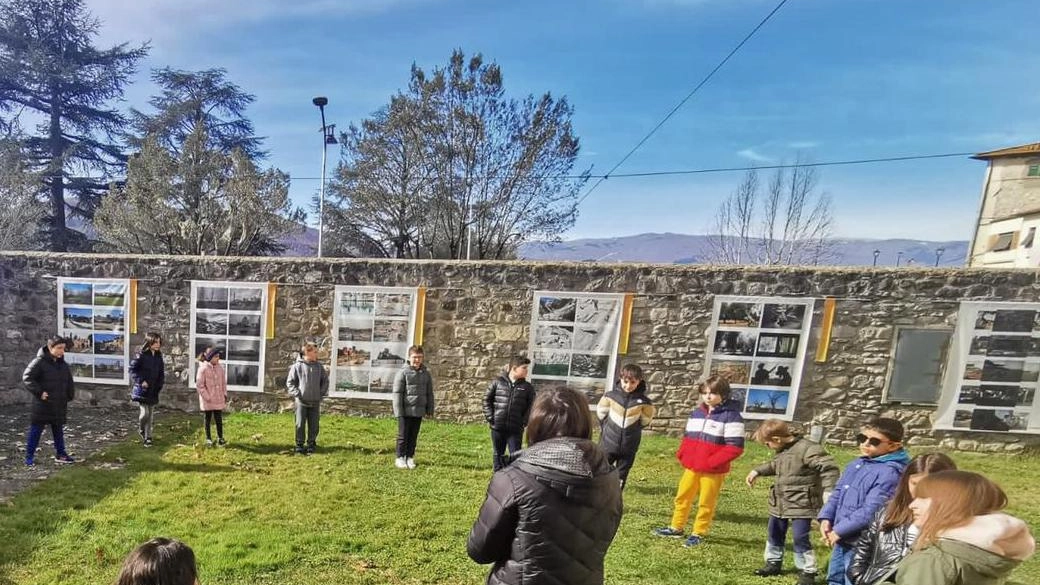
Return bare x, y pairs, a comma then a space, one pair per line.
400, 463
410, 463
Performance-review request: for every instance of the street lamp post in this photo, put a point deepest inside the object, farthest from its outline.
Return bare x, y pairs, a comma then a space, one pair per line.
938, 254
328, 136
876, 254
899, 257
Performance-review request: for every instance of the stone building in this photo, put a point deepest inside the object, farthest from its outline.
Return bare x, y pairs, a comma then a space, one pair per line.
1009, 213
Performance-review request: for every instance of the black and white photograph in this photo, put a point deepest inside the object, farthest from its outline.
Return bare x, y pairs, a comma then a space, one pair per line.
389, 354
211, 323
211, 297
740, 314
395, 331
772, 373
108, 343
556, 309
1034, 347
355, 331
596, 313
972, 371
243, 350
354, 354
1008, 346
109, 368
553, 336
783, 316
1001, 371
1030, 371
356, 305
108, 319
990, 395
979, 345
78, 319
393, 304
734, 372
243, 325
382, 380
585, 365
765, 401
352, 379
592, 340
738, 397
245, 299
985, 419
82, 365
110, 294
77, 341
551, 363
1014, 321
733, 343
962, 419
77, 293
202, 343
243, 375
592, 389
781, 345
984, 320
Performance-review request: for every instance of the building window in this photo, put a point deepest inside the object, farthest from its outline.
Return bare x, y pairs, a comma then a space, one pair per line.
916, 369
1028, 241
1034, 171
1002, 242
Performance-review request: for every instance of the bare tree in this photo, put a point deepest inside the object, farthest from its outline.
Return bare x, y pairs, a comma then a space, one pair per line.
788, 224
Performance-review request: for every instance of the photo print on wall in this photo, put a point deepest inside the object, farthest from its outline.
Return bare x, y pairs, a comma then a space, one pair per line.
373, 328
231, 317
92, 317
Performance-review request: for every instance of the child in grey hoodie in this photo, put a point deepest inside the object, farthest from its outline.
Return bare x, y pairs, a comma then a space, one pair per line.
308, 383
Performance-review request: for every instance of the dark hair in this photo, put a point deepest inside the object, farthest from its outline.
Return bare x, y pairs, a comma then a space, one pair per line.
202, 356
559, 412
308, 345
890, 427
150, 338
717, 384
160, 561
632, 371
517, 361
898, 512
415, 349
56, 341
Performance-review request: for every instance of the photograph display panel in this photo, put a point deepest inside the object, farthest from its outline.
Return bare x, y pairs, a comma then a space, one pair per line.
994, 363
92, 317
574, 341
232, 318
759, 345
372, 330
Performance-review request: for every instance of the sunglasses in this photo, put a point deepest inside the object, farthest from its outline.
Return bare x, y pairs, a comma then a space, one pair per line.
872, 441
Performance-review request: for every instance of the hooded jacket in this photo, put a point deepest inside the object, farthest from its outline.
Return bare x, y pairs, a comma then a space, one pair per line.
46, 373
549, 517
878, 551
803, 471
147, 366
622, 418
507, 404
983, 552
864, 487
307, 382
211, 384
713, 438
413, 392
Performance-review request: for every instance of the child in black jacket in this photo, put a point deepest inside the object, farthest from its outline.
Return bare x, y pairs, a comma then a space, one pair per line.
507, 406
623, 414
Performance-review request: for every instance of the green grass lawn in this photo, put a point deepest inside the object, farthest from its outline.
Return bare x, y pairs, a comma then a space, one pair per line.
257, 515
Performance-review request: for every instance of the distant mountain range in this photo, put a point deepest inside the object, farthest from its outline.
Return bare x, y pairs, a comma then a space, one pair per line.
669, 248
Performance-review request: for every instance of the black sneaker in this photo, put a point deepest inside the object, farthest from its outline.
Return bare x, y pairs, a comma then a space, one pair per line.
668, 532
311, 448
221, 441
148, 442
806, 578
770, 569
300, 450
63, 459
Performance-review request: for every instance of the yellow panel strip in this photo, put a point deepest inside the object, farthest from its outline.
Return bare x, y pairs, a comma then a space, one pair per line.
825, 330
133, 305
626, 323
272, 290
420, 315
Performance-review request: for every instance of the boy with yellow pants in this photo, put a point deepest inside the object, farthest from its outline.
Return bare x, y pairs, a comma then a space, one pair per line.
714, 438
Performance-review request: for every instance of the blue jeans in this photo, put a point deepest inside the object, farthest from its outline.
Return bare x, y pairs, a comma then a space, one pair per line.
841, 556
33, 440
804, 557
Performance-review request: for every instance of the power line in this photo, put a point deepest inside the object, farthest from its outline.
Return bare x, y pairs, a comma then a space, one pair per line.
684, 100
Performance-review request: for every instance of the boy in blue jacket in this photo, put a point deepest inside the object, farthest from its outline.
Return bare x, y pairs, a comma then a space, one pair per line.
865, 486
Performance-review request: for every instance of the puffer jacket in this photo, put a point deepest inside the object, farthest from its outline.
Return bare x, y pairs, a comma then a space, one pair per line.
46, 373
983, 552
713, 438
413, 392
148, 366
307, 382
507, 404
863, 488
622, 418
549, 517
878, 551
803, 471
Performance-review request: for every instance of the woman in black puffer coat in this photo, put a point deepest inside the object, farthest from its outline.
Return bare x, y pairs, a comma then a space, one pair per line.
550, 516
149, 374
889, 536
49, 379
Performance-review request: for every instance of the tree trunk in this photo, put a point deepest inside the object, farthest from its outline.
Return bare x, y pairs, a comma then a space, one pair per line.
59, 242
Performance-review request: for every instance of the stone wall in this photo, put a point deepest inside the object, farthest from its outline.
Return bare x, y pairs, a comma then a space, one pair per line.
477, 315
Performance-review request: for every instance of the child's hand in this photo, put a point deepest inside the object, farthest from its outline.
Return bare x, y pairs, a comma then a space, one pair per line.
832, 538
751, 477
825, 529
44, 396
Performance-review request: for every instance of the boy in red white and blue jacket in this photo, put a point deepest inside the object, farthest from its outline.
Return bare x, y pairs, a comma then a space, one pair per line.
714, 438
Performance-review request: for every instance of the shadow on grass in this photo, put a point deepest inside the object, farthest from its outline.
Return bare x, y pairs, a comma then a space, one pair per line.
43, 509
738, 518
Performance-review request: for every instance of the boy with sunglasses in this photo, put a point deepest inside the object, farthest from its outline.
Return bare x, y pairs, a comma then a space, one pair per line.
623, 414
864, 487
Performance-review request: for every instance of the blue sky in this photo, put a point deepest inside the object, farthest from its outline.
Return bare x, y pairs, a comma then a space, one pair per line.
832, 79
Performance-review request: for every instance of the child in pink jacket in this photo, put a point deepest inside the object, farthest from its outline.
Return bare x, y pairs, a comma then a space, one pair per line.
211, 383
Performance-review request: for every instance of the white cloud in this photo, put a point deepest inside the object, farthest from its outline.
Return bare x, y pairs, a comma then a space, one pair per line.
752, 155
802, 144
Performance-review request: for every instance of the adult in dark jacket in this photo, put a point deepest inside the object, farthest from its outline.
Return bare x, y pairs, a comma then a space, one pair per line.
507, 406
149, 374
550, 516
891, 534
412, 400
49, 380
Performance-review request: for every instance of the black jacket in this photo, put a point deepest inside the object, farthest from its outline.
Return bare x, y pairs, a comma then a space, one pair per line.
549, 517
53, 376
877, 551
148, 366
622, 418
507, 404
